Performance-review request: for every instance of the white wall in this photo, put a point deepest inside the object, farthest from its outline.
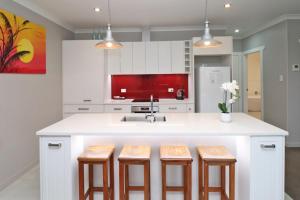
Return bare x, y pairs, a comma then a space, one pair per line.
29, 102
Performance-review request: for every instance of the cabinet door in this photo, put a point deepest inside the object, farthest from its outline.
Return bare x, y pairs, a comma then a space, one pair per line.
267, 168
83, 73
152, 57
178, 57
126, 58
139, 58
164, 57
114, 61
55, 174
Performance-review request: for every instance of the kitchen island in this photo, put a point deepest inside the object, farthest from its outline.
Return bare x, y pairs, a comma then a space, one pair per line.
258, 147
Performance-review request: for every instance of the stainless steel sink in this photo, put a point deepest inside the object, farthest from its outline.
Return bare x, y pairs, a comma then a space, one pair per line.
143, 119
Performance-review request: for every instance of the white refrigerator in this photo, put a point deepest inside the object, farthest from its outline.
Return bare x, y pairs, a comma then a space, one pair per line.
209, 80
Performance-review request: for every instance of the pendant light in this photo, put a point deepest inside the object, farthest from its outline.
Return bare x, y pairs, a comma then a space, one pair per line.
207, 40
109, 42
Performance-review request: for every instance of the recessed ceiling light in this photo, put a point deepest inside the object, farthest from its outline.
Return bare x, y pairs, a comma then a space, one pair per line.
97, 9
227, 5
237, 30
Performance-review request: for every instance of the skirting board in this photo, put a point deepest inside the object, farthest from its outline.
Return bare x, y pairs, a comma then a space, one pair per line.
13, 178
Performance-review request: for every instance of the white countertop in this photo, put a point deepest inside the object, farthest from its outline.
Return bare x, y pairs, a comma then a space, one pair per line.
177, 124
161, 101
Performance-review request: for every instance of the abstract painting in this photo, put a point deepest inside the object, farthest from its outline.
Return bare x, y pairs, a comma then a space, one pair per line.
22, 45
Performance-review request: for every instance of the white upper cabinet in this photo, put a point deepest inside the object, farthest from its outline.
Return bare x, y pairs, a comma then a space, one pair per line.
225, 49
126, 58
114, 61
164, 57
139, 58
83, 73
178, 56
152, 57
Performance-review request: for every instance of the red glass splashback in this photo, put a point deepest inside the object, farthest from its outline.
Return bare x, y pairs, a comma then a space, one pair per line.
142, 86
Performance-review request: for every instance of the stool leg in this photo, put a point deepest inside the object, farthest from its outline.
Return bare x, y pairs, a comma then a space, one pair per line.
184, 169
126, 182
147, 180
112, 177
105, 181
164, 181
206, 180
91, 182
223, 178
200, 176
121, 180
232, 181
189, 181
81, 181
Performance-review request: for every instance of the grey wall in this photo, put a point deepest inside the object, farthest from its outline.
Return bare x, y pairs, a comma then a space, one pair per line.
275, 64
293, 114
29, 102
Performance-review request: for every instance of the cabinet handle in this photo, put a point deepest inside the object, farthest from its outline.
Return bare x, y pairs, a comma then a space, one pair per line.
54, 145
87, 100
117, 108
172, 108
268, 146
83, 109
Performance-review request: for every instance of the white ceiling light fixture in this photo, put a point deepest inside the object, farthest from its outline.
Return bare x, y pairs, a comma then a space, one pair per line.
207, 40
97, 9
227, 5
237, 30
109, 42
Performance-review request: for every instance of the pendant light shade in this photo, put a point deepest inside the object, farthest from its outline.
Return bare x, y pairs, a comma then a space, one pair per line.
109, 42
207, 40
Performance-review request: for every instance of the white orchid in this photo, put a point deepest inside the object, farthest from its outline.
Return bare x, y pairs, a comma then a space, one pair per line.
232, 89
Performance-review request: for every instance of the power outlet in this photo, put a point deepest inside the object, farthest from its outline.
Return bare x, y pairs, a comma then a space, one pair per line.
170, 90
295, 68
123, 90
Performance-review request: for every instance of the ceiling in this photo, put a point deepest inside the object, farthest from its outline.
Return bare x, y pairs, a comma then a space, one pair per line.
244, 14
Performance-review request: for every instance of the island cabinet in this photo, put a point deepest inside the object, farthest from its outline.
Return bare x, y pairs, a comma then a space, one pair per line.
257, 146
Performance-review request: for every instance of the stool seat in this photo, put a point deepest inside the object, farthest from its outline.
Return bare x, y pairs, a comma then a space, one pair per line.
175, 153
215, 153
139, 152
97, 153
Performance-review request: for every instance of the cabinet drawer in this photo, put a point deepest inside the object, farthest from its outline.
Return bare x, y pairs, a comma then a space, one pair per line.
172, 108
83, 108
117, 108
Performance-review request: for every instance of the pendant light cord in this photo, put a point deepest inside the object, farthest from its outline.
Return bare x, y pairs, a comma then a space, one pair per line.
109, 14
205, 13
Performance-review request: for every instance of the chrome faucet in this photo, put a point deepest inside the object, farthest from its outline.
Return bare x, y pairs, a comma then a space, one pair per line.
151, 117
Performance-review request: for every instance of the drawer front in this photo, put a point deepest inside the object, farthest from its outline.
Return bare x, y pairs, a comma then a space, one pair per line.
83, 108
117, 108
172, 108
267, 168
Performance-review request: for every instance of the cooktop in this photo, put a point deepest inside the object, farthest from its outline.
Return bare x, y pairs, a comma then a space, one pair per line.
144, 100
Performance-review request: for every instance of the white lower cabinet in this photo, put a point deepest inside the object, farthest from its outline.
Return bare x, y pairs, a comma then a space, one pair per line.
190, 108
55, 172
172, 108
117, 108
267, 168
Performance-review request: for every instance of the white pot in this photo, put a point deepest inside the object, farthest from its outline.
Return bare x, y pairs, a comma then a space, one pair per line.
226, 117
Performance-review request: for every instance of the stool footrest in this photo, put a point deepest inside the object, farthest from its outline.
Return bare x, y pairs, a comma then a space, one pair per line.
136, 188
175, 188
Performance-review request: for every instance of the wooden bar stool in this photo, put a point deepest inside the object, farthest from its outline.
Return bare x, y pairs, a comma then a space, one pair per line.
177, 155
134, 155
216, 156
102, 155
